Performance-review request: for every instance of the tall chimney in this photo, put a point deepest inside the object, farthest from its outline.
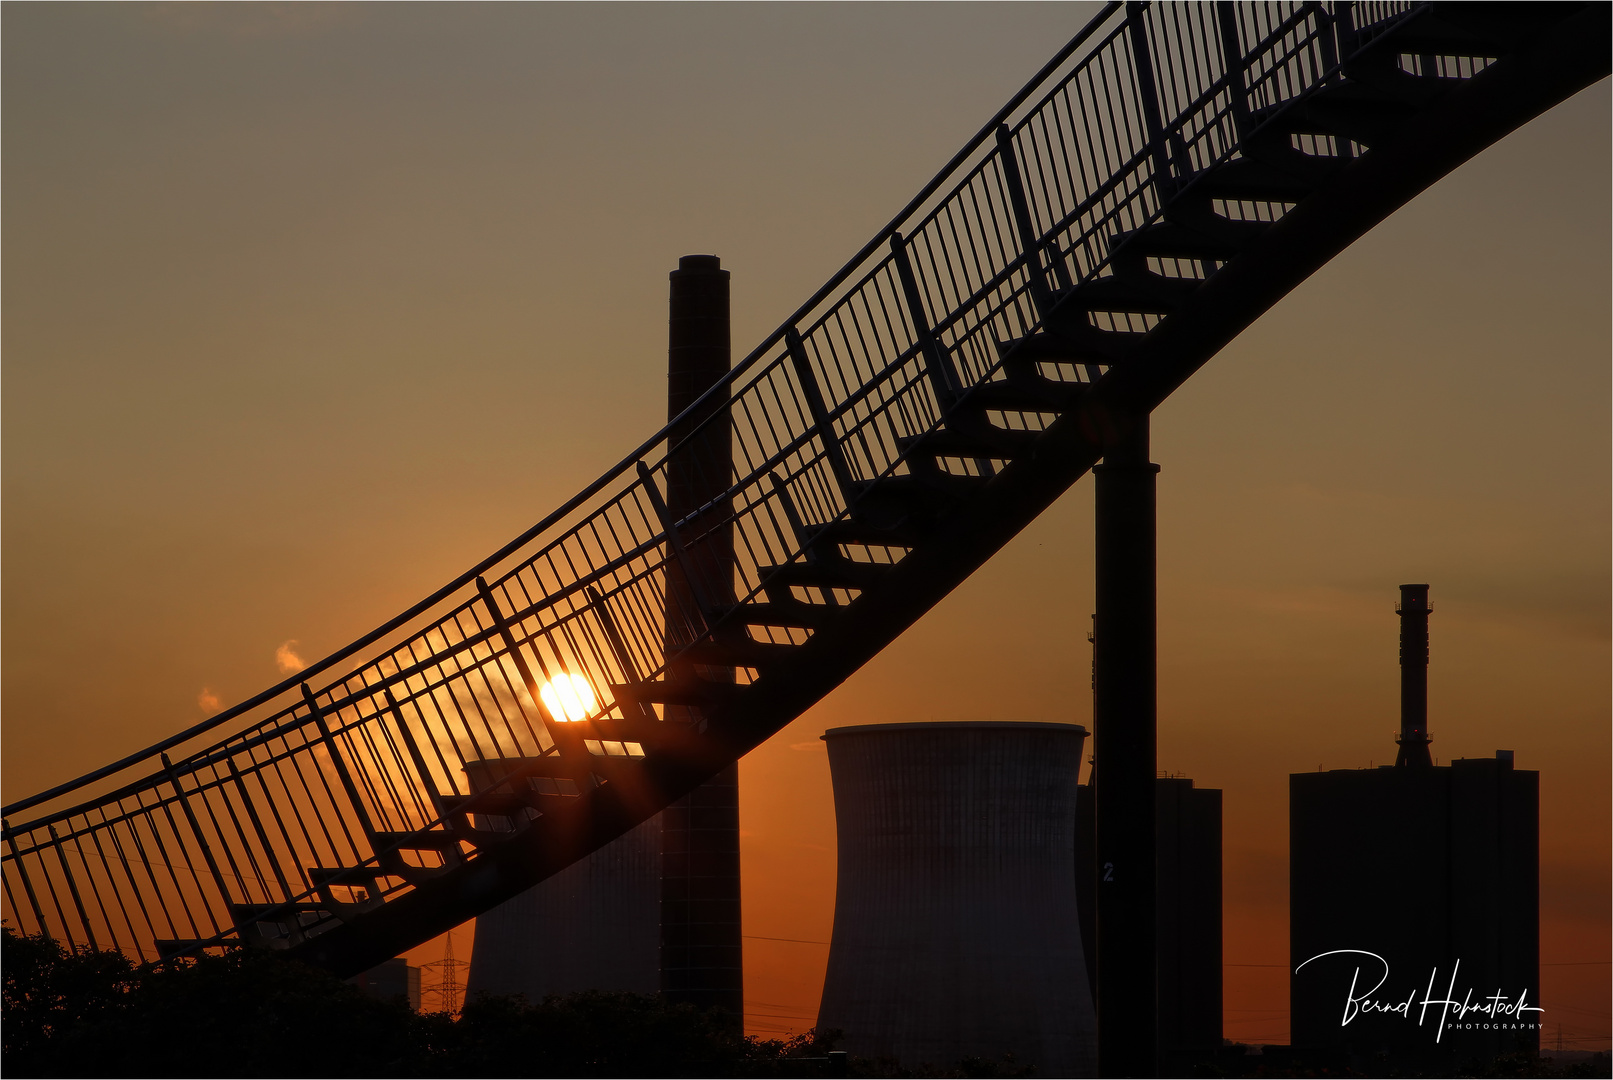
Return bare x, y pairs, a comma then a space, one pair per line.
701, 945
1413, 609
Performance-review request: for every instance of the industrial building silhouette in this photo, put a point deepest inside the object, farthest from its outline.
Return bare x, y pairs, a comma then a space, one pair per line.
1187, 913
956, 933
1412, 885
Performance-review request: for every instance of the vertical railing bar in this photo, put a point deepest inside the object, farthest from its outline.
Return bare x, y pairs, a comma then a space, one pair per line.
72, 887
905, 406
11, 899
1349, 40
675, 542
577, 653
22, 871
343, 777
1325, 37
91, 875
296, 808
55, 898
645, 604
145, 862
263, 836
285, 833
1029, 247
434, 793
167, 861
235, 822
492, 674
134, 884
624, 658
382, 785
479, 671
808, 381
196, 831
446, 717
182, 860
450, 687
1142, 65
1065, 182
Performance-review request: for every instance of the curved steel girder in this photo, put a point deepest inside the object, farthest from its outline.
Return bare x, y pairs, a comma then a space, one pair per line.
1466, 120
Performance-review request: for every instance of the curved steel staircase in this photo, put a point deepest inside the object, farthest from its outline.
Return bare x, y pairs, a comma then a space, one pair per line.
1167, 177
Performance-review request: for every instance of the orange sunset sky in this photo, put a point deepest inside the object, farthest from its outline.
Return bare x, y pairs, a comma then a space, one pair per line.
307, 308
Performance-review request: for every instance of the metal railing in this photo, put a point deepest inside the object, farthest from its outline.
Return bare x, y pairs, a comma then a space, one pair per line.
265, 812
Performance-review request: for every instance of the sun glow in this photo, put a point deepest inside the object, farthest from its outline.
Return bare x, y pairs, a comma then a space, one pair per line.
568, 697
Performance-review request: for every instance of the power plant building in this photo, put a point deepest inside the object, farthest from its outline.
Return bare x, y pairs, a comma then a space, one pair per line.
956, 931
1414, 906
1187, 912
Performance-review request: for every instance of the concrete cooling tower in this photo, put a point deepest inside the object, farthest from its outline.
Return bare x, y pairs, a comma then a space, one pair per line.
955, 931
594, 925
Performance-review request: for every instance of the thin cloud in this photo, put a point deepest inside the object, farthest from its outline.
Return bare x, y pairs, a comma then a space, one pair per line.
288, 660
208, 701
809, 747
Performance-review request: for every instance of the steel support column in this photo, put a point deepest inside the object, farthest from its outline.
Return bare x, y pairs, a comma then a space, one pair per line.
1123, 710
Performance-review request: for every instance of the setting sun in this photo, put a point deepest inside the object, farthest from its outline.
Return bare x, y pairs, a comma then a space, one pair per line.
568, 697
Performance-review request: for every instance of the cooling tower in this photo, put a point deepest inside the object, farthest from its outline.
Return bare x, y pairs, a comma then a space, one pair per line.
955, 932
596, 925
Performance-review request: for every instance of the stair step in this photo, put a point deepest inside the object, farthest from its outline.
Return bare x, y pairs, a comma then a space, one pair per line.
1503, 28
1390, 83
829, 574
354, 876
853, 533
528, 793
1352, 110
978, 441
495, 774
652, 735
427, 840
1471, 31
1195, 211
920, 495
773, 613
1022, 360
1044, 396
1273, 146
1069, 321
246, 913
735, 652
1253, 179
684, 691
1147, 292
500, 803
1173, 240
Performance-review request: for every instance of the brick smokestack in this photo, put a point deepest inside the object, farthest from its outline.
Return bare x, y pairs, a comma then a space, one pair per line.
1414, 740
701, 947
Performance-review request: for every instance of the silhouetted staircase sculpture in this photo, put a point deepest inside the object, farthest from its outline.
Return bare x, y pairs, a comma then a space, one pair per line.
1127, 214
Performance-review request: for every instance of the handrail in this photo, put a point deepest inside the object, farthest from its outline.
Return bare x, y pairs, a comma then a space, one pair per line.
877, 359
572, 504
